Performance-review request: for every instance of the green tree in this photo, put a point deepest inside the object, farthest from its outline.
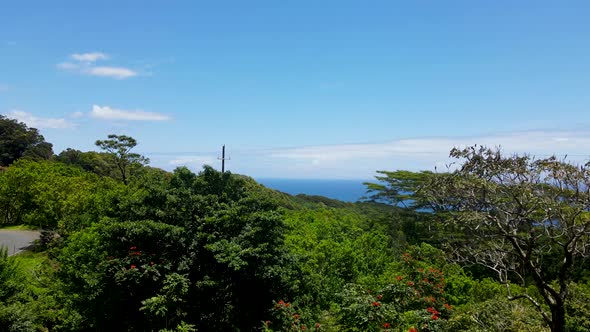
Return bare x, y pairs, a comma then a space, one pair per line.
14, 315
90, 161
526, 219
215, 242
413, 217
113, 266
17, 140
398, 188
119, 147
51, 194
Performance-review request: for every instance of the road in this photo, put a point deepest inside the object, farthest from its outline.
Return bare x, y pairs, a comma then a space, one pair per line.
17, 241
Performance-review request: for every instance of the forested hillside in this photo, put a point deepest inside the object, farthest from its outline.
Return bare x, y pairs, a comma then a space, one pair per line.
500, 244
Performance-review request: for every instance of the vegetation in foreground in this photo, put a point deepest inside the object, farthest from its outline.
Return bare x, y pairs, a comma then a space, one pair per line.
498, 245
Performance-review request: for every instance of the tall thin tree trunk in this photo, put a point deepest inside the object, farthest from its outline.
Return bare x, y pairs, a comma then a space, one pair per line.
558, 317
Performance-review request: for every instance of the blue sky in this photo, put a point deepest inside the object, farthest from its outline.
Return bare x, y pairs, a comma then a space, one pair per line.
301, 89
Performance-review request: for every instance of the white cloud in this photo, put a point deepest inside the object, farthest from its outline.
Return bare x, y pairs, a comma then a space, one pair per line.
193, 160
114, 72
107, 113
39, 123
84, 64
89, 57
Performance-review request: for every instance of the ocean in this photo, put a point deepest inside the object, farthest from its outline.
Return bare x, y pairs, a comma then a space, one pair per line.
344, 190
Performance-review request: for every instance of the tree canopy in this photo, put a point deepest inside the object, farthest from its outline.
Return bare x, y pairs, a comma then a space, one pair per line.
128, 247
524, 218
119, 148
17, 140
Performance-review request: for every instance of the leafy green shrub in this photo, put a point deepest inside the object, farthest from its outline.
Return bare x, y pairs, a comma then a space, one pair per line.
414, 299
363, 310
497, 314
290, 318
578, 308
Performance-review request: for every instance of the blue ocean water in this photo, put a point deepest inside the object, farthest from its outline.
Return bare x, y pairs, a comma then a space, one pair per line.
344, 190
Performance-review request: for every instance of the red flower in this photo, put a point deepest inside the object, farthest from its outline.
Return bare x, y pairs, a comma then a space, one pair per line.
296, 316
303, 327
133, 248
379, 297
132, 266
449, 307
410, 283
434, 317
317, 326
376, 304
412, 329
386, 325
432, 311
399, 278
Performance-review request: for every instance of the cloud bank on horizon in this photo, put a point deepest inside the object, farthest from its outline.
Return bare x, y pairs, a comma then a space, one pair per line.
360, 161
344, 161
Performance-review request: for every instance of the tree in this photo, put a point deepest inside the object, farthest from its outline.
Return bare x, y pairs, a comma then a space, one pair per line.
91, 161
17, 140
398, 188
202, 249
54, 195
412, 215
119, 146
527, 219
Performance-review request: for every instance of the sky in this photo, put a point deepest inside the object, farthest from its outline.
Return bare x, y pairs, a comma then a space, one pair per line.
301, 89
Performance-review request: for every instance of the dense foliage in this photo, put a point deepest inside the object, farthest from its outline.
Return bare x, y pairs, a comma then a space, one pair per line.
133, 248
18, 141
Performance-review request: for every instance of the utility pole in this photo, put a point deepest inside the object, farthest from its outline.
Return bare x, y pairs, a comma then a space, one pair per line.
223, 159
